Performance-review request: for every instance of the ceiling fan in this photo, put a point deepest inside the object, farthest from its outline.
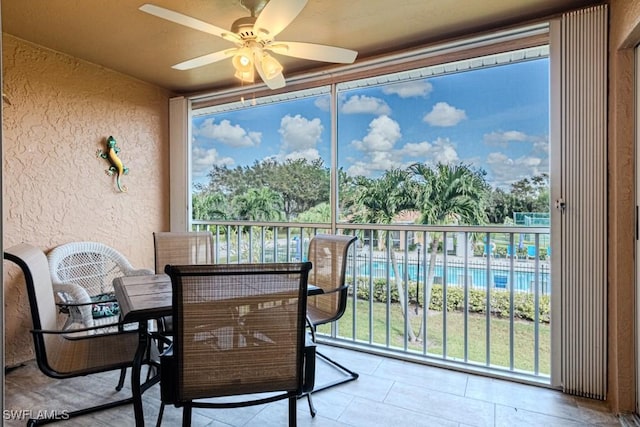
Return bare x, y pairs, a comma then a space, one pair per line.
254, 37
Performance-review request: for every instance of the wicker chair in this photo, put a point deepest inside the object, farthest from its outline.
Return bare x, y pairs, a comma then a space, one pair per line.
264, 351
68, 353
82, 273
328, 254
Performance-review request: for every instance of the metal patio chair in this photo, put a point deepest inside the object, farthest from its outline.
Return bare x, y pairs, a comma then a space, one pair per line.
239, 329
65, 353
328, 255
180, 248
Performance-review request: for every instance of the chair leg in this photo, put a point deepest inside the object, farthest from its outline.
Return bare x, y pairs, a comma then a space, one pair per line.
186, 416
293, 419
349, 375
312, 408
123, 374
160, 413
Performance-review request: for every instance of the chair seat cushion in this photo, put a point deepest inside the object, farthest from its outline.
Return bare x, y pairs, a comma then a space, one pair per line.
104, 306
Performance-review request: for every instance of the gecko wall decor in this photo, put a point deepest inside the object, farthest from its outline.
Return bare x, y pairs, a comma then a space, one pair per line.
116, 169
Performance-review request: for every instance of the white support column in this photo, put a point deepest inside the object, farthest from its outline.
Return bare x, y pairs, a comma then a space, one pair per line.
179, 164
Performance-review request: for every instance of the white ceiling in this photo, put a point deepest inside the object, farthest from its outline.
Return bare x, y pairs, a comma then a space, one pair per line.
116, 35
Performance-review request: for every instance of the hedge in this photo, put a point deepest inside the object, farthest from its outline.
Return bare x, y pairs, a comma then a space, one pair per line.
523, 302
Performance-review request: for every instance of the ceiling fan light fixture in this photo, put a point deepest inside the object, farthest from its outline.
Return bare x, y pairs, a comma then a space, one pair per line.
270, 66
245, 76
242, 61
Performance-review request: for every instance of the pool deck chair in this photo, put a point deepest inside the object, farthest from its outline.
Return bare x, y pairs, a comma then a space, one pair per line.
328, 254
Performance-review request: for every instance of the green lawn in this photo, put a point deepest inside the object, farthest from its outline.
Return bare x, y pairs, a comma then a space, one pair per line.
499, 331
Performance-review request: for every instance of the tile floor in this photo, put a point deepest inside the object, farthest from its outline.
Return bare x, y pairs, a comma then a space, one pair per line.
388, 393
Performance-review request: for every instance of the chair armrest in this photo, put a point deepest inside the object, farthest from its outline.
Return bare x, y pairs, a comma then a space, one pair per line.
332, 291
71, 293
69, 333
140, 272
82, 304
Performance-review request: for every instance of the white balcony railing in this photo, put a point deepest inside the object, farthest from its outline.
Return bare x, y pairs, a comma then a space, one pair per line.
494, 281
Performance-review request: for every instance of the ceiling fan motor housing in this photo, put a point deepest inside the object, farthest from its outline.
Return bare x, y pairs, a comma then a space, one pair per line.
244, 27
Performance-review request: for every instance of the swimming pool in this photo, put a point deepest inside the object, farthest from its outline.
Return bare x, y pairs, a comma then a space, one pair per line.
524, 280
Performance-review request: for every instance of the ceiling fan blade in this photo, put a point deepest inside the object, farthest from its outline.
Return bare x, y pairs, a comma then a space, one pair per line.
316, 52
276, 15
188, 21
275, 82
205, 59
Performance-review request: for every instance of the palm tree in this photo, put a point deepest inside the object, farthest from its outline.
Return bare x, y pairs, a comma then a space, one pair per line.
379, 201
259, 204
209, 206
447, 194
318, 213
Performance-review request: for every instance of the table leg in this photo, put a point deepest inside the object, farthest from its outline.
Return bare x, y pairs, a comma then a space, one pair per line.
136, 387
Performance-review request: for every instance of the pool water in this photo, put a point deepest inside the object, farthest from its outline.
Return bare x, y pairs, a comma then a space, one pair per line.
524, 280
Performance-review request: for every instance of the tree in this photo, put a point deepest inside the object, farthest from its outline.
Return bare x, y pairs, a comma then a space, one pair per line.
302, 184
499, 207
258, 204
209, 206
447, 194
317, 214
379, 201
530, 194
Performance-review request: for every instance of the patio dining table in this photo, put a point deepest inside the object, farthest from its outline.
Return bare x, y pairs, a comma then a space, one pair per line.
141, 299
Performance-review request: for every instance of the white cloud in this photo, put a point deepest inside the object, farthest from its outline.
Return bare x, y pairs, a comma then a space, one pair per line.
376, 162
444, 115
383, 133
377, 147
309, 154
359, 168
323, 102
362, 104
299, 133
204, 159
416, 150
418, 88
442, 150
226, 133
506, 170
501, 138
541, 146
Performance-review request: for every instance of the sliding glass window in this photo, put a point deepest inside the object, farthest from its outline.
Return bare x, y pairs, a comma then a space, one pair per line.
265, 159
485, 119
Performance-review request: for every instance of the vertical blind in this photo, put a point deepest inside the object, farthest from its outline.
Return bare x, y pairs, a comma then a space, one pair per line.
583, 150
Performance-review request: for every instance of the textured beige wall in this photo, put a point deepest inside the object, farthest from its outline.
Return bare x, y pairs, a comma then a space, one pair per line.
624, 35
55, 189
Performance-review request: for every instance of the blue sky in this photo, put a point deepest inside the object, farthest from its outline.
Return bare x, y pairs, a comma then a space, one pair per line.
495, 118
